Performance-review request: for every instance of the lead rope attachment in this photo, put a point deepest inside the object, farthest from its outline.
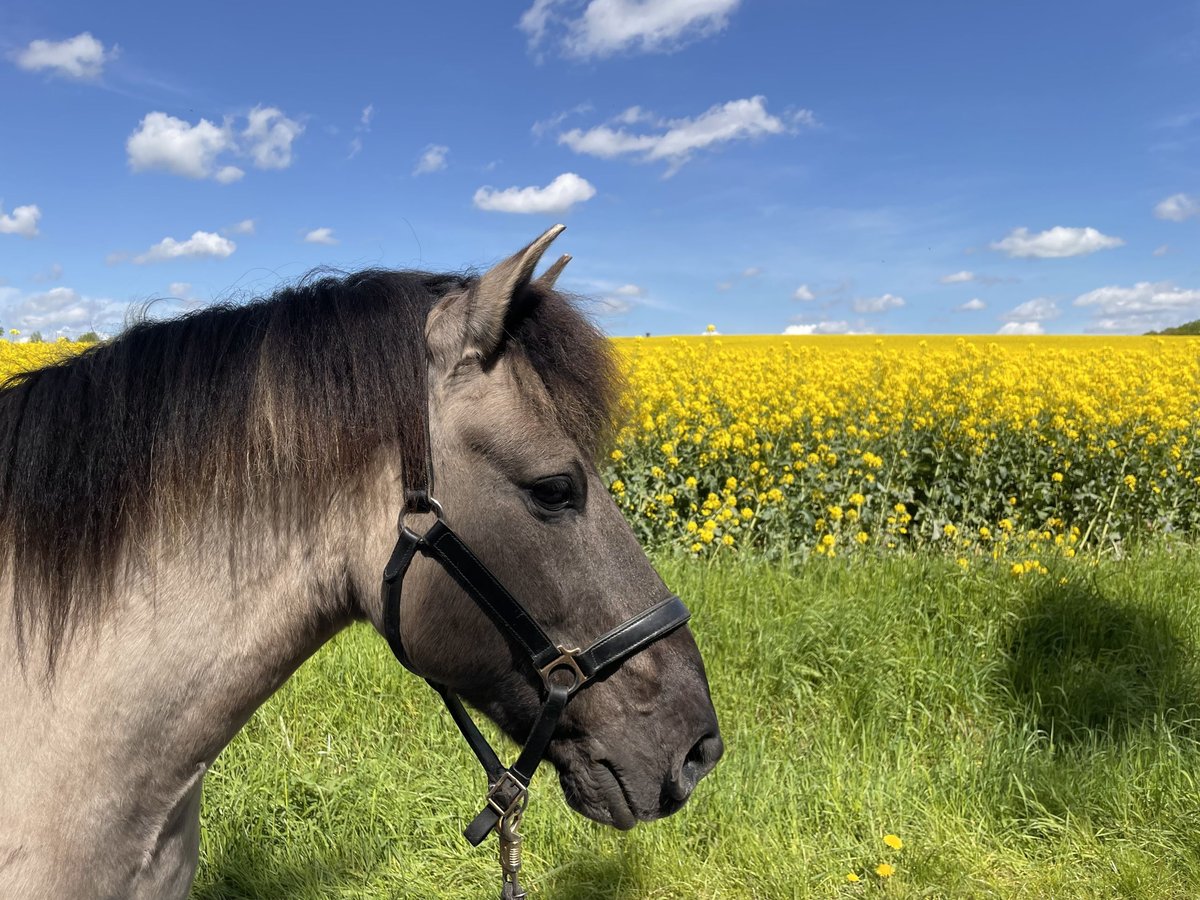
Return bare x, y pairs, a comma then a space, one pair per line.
510, 856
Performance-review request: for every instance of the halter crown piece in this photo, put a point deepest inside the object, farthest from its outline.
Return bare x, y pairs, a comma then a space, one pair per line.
562, 671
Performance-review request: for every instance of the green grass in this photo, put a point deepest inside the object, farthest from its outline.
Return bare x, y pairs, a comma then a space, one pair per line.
1024, 737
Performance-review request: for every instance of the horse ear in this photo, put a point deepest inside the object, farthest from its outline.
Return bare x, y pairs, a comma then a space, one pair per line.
546, 279
492, 296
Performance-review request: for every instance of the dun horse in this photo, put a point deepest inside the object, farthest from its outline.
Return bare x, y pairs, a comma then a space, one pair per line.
190, 510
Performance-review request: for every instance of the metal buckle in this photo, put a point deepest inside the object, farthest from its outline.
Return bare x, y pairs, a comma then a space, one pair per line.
517, 804
566, 659
413, 501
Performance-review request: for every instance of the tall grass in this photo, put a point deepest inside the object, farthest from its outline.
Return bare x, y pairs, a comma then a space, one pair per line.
1025, 737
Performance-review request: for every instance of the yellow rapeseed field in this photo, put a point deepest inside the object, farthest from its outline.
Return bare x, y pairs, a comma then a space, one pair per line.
15, 358
1009, 448
1012, 448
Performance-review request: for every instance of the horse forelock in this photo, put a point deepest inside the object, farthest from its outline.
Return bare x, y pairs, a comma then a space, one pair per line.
239, 410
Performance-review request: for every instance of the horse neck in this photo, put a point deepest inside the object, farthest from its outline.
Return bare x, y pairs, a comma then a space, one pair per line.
141, 704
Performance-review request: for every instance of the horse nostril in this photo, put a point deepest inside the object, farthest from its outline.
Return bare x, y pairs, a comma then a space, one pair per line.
699, 761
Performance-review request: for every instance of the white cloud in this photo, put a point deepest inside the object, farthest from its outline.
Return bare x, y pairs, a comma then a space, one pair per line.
629, 290
229, 174
79, 57
751, 272
180, 289
22, 220
677, 139
1039, 309
165, 142
1022, 328
61, 309
536, 19
804, 293
633, 115
363, 126
558, 196
432, 160
724, 286
879, 304
321, 236
957, 278
541, 126
269, 135
1055, 243
972, 305
1163, 250
200, 244
1178, 207
1145, 306
839, 327
608, 26
612, 305
246, 226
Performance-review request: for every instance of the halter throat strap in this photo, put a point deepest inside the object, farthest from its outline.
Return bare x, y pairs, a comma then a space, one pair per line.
563, 671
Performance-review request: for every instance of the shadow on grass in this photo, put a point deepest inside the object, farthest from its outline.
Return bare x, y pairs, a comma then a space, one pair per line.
1088, 665
252, 873
617, 877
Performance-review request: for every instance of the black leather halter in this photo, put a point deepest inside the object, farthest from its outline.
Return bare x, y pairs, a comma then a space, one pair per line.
561, 671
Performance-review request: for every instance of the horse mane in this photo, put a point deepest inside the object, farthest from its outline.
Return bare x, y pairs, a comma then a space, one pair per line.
236, 408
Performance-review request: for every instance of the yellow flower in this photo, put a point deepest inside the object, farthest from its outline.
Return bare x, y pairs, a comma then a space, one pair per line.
727, 540
617, 455
884, 870
618, 486
893, 841
852, 878
1057, 477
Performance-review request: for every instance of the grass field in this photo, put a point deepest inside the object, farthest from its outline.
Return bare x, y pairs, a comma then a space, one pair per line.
1033, 737
932, 583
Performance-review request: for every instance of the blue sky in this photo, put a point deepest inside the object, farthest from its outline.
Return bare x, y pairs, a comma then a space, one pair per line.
816, 166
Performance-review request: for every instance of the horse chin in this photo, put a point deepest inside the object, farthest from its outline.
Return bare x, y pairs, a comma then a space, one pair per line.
596, 788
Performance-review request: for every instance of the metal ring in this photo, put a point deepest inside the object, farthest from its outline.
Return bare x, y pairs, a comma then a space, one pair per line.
565, 661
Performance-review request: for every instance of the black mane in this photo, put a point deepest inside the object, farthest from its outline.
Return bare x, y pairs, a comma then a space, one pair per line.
234, 407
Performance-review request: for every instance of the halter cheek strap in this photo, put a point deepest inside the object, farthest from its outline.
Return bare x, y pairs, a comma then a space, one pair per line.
563, 671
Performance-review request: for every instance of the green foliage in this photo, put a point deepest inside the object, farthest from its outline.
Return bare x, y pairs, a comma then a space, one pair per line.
1025, 737
1187, 328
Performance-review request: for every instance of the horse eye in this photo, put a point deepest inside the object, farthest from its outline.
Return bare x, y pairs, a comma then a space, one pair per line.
552, 493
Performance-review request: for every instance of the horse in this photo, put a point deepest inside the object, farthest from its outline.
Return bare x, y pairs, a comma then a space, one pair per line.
193, 508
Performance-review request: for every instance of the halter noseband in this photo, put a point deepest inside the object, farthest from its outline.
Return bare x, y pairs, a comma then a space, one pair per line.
562, 671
